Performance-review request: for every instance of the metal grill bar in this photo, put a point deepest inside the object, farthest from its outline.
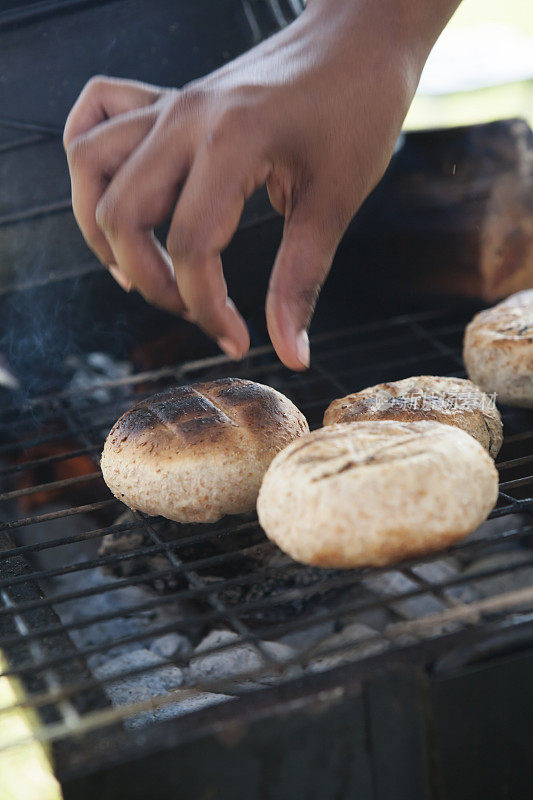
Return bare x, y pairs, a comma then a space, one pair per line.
69, 714
471, 613
345, 579
27, 125
22, 523
64, 540
517, 534
100, 719
205, 571
183, 371
341, 609
63, 484
43, 462
25, 141
35, 211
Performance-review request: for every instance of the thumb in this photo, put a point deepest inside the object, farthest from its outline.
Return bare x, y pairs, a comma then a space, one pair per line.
304, 259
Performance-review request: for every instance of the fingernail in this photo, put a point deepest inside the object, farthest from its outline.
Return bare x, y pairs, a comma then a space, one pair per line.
230, 348
121, 279
302, 348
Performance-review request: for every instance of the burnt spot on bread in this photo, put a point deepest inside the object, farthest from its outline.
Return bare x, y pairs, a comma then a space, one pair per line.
260, 408
201, 413
180, 413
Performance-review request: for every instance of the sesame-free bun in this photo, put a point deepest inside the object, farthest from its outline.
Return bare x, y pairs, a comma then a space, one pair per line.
373, 493
196, 453
453, 401
498, 350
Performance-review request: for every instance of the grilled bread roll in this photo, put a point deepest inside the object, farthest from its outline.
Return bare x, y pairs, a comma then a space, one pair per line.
453, 401
372, 493
498, 350
196, 453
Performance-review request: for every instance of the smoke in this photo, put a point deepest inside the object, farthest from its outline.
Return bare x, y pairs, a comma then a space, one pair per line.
38, 331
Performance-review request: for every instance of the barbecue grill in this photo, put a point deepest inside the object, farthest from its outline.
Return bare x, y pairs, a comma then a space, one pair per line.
262, 646
171, 660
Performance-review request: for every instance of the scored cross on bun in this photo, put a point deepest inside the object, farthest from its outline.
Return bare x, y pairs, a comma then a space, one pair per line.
372, 493
452, 401
498, 350
195, 453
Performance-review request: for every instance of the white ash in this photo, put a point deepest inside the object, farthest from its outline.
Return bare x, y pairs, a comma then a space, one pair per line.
172, 645
148, 685
490, 529
354, 642
308, 636
363, 634
241, 658
510, 576
393, 583
91, 369
439, 572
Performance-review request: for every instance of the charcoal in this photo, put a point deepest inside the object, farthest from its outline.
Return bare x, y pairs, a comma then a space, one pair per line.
171, 645
241, 658
308, 636
282, 574
438, 572
147, 685
492, 529
509, 575
396, 583
352, 646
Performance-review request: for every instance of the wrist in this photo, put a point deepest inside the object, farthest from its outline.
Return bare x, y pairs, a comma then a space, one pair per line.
408, 26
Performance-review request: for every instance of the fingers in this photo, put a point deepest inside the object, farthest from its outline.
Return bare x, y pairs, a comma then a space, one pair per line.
223, 175
93, 159
311, 236
149, 268
143, 194
103, 98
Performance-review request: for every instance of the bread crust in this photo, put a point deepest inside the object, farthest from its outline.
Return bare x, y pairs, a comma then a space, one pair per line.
498, 350
452, 401
195, 453
373, 493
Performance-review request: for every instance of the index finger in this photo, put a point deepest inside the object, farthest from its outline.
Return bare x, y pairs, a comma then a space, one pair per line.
102, 98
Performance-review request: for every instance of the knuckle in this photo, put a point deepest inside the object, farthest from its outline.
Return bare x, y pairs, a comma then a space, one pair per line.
229, 124
191, 97
95, 85
111, 214
181, 103
77, 152
183, 243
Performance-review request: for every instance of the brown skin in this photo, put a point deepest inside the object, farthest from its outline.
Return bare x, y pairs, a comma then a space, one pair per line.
313, 112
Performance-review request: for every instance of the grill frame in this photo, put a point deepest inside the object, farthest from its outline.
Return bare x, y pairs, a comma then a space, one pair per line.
111, 744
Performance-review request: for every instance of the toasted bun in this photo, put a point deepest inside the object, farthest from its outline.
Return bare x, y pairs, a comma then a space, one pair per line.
372, 493
196, 453
452, 401
498, 350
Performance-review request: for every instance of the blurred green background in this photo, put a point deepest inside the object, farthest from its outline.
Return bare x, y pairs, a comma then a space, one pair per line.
500, 31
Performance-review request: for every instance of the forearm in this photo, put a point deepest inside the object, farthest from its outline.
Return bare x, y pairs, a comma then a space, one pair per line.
413, 24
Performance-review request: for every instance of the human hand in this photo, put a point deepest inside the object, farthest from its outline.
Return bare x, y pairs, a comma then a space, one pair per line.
314, 112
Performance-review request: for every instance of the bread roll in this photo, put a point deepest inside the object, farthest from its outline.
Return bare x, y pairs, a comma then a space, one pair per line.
373, 493
196, 453
453, 401
498, 350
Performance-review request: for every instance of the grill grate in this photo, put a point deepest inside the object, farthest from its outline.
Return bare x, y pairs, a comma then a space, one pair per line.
225, 576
